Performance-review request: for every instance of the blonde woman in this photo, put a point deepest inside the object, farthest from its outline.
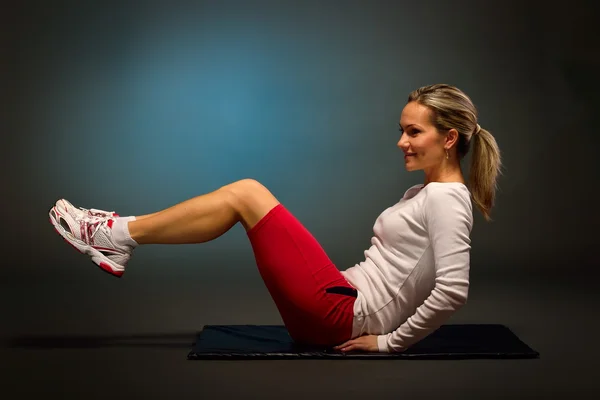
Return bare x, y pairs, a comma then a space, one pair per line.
415, 274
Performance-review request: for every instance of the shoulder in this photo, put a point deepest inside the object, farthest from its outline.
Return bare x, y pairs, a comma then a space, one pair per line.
442, 192
447, 201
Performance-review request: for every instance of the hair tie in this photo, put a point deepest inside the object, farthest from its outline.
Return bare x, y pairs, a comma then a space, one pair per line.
477, 129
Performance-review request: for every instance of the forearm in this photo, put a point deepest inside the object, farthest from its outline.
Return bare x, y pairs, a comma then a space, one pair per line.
433, 313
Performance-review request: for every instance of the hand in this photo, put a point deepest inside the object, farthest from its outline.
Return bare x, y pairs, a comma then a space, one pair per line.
364, 343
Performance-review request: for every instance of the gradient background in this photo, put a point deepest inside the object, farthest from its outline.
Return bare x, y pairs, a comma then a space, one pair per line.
137, 107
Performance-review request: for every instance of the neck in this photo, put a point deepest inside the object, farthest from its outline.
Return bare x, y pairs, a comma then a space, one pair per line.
445, 172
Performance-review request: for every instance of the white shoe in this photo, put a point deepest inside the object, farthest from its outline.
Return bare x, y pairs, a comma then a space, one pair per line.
91, 234
66, 207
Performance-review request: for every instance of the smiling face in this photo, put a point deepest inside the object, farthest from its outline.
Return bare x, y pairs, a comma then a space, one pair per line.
421, 142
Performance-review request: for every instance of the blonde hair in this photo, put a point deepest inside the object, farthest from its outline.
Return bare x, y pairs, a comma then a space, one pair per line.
452, 108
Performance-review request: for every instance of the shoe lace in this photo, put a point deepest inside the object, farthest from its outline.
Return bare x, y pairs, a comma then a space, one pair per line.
95, 212
96, 222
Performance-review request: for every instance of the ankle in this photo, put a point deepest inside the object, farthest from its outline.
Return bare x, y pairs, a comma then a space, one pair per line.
122, 232
134, 231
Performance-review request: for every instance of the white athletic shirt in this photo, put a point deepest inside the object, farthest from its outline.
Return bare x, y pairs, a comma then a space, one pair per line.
416, 273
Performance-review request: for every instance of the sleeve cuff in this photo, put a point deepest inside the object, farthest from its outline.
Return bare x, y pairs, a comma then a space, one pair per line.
382, 343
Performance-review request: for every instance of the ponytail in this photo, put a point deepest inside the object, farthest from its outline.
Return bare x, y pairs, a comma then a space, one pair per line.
486, 164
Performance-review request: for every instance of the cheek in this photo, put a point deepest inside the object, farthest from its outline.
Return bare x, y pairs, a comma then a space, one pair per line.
426, 147
421, 147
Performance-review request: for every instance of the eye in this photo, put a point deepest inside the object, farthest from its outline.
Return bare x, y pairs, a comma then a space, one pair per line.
411, 131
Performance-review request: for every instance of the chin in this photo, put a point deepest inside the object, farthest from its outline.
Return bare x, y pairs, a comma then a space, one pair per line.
411, 168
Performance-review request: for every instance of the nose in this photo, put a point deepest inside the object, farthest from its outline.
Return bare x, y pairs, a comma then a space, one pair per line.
403, 142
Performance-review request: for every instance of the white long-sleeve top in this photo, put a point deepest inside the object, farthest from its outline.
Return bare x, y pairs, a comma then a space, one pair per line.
416, 273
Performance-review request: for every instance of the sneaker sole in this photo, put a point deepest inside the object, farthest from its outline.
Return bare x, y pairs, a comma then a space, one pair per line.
97, 258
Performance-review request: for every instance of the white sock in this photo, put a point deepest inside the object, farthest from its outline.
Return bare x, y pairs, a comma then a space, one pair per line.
121, 232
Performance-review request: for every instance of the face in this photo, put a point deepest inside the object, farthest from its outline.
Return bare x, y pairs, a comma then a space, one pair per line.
421, 142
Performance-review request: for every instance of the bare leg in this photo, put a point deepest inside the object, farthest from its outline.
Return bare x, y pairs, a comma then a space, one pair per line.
206, 217
141, 217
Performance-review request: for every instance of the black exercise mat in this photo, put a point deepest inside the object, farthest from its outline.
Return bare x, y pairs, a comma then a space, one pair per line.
460, 341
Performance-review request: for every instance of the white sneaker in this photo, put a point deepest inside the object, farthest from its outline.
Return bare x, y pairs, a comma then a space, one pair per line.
66, 207
92, 235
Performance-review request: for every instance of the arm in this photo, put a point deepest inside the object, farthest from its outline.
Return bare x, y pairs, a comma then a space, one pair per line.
448, 220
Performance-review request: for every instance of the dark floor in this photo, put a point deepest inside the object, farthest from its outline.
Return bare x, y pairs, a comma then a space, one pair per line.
551, 317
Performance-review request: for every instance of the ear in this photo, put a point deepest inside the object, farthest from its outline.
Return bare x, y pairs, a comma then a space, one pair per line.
451, 138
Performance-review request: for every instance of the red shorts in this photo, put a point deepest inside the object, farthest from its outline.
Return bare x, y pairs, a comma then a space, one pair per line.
315, 301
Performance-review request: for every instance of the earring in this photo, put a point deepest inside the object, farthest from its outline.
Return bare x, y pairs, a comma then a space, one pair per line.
447, 155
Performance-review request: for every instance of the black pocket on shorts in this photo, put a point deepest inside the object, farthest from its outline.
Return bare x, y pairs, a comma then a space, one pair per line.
344, 290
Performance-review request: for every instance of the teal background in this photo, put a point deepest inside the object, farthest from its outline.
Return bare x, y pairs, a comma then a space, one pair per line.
135, 106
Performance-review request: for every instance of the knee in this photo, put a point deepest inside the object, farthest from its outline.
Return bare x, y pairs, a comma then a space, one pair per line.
249, 185
246, 191
249, 188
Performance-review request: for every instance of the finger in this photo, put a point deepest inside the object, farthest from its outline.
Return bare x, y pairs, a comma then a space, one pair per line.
342, 345
348, 343
352, 347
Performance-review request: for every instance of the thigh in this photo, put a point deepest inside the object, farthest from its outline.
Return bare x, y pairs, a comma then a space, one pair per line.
314, 299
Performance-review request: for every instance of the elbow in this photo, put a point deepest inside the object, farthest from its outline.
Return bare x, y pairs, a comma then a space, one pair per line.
462, 300
462, 297
457, 302
456, 296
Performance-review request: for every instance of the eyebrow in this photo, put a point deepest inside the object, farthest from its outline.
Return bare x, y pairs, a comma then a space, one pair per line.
407, 126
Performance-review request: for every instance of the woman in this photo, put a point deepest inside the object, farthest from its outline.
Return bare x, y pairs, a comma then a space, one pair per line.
415, 274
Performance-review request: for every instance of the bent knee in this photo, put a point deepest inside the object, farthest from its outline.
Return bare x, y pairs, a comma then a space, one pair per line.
246, 188
250, 185
250, 194
252, 201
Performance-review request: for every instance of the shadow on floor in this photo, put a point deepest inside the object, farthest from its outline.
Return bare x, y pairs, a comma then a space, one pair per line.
158, 340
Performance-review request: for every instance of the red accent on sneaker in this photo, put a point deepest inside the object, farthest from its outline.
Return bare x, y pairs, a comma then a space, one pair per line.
110, 223
108, 269
90, 238
82, 229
